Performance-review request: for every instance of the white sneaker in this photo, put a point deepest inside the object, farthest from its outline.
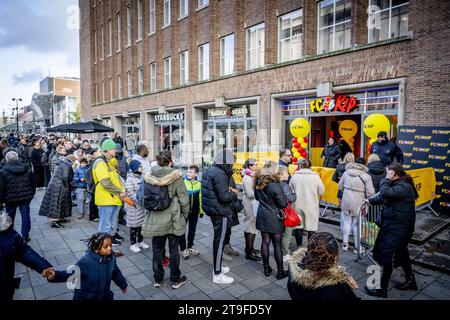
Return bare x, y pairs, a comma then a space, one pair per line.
193, 251
287, 258
135, 248
185, 254
143, 245
224, 270
222, 279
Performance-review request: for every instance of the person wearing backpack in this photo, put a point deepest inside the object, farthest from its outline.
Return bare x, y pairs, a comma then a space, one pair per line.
166, 199
109, 191
218, 196
135, 212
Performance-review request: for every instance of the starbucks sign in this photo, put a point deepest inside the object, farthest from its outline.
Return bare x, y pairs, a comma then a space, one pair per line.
169, 117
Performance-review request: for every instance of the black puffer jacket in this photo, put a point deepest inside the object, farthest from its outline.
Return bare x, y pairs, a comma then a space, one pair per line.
24, 155
377, 171
216, 197
57, 202
398, 220
16, 183
331, 155
388, 152
271, 200
339, 172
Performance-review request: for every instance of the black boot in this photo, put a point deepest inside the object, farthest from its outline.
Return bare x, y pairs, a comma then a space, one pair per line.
409, 284
381, 293
251, 239
267, 270
281, 274
250, 253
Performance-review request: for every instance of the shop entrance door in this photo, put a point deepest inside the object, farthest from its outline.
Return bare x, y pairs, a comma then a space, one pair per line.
231, 135
171, 139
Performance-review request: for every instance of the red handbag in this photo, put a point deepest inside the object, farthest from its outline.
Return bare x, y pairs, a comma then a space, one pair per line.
292, 219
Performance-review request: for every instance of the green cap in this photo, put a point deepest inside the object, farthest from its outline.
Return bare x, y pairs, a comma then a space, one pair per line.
108, 144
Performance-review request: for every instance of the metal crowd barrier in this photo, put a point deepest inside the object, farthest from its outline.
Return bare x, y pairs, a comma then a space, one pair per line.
367, 230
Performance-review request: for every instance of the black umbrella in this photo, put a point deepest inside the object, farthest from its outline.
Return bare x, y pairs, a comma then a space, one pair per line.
87, 127
59, 128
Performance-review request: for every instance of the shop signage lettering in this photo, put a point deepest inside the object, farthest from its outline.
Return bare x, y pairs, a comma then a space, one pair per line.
228, 112
168, 117
338, 104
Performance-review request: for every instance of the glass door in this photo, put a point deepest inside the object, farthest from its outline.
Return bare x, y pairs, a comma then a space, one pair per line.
237, 134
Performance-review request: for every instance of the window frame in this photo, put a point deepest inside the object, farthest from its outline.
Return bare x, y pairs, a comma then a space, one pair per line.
204, 62
168, 12
103, 91
168, 73
129, 33
119, 32
280, 41
333, 27
95, 46
129, 84
140, 20
119, 85
390, 8
202, 4
102, 40
223, 57
110, 26
141, 88
260, 26
96, 93
184, 72
153, 77
152, 18
186, 7
111, 89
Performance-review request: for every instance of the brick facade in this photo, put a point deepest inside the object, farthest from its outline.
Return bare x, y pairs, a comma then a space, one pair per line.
423, 58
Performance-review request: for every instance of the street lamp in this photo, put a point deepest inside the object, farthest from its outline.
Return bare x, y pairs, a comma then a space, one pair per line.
17, 111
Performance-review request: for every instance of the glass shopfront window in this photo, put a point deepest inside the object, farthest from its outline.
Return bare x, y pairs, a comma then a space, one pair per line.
170, 127
233, 127
131, 132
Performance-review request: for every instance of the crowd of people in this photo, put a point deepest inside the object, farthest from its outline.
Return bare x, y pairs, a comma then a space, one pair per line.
108, 185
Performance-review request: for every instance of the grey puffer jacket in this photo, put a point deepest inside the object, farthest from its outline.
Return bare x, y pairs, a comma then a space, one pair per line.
136, 214
356, 185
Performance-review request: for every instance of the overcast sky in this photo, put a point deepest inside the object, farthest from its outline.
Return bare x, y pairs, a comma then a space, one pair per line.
37, 37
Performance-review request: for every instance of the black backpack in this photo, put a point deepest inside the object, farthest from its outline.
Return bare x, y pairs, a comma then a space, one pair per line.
156, 198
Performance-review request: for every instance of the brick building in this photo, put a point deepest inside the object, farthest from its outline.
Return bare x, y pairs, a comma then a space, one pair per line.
235, 73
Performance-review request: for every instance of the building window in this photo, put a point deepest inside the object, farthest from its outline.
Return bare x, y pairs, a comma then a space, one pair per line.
184, 67
388, 19
255, 47
119, 85
166, 13
96, 92
153, 77
167, 73
203, 62
102, 41
141, 80
290, 36
128, 25
110, 36
203, 3
152, 16
334, 25
140, 21
95, 46
184, 8
119, 33
110, 89
129, 84
227, 55
103, 91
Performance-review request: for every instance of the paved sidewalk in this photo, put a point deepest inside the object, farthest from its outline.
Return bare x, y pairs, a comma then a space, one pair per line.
62, 247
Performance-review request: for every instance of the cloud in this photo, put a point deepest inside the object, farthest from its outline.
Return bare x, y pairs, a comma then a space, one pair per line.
39, 26
27, 77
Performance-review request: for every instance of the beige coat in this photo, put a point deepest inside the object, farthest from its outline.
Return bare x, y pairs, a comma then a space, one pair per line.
248, 185
308, 187
356, 185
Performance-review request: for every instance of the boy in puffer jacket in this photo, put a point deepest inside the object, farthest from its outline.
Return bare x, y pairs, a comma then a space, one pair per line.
136, 212
194, 190
82, 198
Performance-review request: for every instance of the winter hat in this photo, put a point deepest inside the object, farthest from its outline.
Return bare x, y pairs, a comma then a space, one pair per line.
224, 156
108, 144
382, 134
134, 165
321, 252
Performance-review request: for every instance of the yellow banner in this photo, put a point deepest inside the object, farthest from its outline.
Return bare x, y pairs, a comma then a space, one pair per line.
425, 182
261, 157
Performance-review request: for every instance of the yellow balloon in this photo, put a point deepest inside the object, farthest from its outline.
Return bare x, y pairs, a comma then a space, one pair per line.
375, 123
300, 127
348, 128
296, 154
304, 145
293, 150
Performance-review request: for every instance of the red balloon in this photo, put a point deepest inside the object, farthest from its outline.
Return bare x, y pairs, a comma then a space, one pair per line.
300, 150
294, 160
305, 139
294, 140
297, 145
303, 153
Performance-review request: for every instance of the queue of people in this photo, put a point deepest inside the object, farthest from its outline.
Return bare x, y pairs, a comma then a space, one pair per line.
103, 179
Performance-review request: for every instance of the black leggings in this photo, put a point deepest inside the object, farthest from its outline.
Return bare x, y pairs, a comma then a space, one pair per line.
298, 234
265, 243
405, 264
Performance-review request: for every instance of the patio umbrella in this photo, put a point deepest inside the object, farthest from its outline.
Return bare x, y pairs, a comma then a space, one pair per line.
59, 128
88, 127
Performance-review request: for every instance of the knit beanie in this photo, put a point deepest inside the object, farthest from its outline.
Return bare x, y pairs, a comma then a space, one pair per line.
108, 144
134, 165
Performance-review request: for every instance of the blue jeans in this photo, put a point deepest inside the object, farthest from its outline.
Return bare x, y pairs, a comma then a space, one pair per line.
24, 208
109, 217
